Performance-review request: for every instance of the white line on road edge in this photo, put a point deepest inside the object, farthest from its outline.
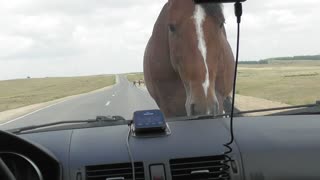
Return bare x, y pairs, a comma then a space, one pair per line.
108, 103
32, 112
78, 95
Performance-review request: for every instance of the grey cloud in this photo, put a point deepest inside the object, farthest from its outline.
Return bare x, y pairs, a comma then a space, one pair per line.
105, 36
63, 34
74, 37
77, 7
276, 28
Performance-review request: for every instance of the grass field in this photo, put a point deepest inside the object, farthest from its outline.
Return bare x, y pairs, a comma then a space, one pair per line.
283, 81
290, 82
23, 92
134, 76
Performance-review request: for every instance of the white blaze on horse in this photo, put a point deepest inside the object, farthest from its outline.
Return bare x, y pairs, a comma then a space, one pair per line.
188, 62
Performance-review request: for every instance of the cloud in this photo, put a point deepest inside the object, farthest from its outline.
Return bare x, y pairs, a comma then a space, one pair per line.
79, 37
76, 37
276, 28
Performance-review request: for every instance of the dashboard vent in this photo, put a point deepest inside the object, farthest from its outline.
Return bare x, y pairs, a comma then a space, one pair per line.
121, 171
210, 167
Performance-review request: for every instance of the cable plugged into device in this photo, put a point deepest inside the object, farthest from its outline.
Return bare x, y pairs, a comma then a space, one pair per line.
238, 14
238, 11
129, 151
147, 123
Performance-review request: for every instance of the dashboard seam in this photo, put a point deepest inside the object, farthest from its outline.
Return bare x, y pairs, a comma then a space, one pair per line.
69, 154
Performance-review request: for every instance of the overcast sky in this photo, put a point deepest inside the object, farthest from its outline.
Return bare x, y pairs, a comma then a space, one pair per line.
40, 38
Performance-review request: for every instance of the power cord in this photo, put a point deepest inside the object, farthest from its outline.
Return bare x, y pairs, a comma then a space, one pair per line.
238, 13
130, 153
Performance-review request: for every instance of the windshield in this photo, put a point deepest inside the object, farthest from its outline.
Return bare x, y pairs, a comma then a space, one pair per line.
75, 60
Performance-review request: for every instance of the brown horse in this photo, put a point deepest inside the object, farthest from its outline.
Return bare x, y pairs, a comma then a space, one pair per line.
188, 62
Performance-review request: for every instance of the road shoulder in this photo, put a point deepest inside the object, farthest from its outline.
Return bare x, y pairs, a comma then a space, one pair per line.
11, 115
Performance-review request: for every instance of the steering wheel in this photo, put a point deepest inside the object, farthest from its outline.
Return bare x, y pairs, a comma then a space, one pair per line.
5, 172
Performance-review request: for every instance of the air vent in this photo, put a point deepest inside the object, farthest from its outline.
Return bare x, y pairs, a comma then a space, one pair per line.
210, 167
121, 171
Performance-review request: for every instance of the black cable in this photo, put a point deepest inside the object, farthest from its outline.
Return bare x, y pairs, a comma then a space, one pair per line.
130, 153
238, 13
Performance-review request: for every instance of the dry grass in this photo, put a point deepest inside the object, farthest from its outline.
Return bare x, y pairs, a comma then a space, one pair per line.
23, 92
290, 83
135, 76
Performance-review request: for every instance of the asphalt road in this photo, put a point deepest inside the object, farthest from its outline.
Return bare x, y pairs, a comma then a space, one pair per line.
122, 99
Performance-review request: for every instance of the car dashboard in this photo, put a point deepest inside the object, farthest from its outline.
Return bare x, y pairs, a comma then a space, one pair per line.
27, 160
279, 147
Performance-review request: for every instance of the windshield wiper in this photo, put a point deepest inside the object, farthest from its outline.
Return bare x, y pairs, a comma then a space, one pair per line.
108, 120
198, 117
118, 120
307, 109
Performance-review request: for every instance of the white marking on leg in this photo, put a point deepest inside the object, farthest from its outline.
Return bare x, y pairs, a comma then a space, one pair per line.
215, 98
217, 104
188, 102
199, 17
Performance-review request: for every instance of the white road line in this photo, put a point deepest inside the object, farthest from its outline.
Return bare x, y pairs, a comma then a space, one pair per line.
32, 112
117, 82
108, 103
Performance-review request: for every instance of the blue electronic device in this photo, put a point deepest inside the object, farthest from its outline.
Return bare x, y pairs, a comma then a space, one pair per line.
149, 121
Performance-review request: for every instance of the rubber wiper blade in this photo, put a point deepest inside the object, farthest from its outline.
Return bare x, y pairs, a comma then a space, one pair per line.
315, 107
308, 109
26, 128
110, 118
99, 119
198, 117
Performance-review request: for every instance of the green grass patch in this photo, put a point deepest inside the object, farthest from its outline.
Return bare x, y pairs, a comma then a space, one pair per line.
23, 92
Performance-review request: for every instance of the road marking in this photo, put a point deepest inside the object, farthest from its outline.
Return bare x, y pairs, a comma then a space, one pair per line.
33, 112
108, 103
113, 95
23, 116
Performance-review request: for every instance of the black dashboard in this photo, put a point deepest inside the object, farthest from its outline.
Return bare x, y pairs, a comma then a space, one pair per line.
27, 160
273, 147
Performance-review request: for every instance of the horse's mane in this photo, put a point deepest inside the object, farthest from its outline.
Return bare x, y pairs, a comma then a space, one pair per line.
215, 10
